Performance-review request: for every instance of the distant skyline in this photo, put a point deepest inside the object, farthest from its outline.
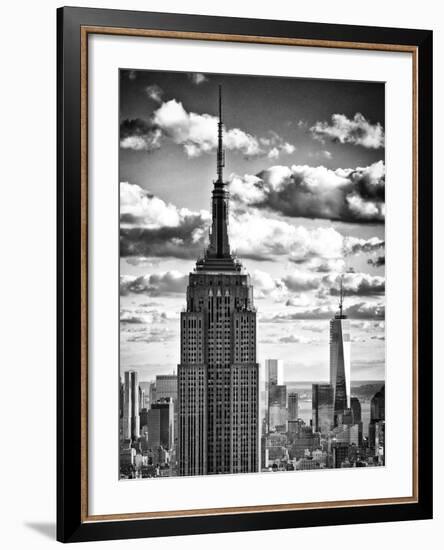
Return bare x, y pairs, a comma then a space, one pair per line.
305, 162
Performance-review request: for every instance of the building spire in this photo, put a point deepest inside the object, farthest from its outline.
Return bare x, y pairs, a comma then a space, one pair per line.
341, 296
218, 255
220, 146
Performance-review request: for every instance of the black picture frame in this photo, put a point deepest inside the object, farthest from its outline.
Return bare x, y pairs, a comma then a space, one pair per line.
71, 525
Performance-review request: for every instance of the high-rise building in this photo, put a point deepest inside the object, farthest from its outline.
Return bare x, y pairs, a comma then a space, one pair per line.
141, 398
145, 386
275, 394
377, 406
218, 376
274, 372
166, 386
322, 407
277, 406
293, 406
355, 406
131, 421
339, 454
161, 424
340, 360
347, 434
376, 427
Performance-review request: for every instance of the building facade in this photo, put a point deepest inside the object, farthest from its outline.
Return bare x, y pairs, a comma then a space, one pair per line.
276, 413
293, 406
166, 386
131, 408
218, 376
322, 407
160, 421
274, 372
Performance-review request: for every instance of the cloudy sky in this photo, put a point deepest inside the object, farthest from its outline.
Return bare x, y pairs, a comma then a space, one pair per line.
305, 166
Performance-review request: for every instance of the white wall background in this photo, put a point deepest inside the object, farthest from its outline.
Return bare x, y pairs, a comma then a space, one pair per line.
27, 274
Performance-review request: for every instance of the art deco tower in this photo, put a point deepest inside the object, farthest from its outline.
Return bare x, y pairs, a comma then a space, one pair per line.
218, 377
340, 360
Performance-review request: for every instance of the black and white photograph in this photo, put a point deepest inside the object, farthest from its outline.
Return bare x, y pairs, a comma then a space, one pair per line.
252, 274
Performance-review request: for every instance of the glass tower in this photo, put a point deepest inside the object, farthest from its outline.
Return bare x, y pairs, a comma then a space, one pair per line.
340, 361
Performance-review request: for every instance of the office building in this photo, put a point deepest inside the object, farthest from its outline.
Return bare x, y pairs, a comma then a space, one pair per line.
355, 406
293, 406
322, 407
166, 386
274, 372
131, 409
161, 424
218, 376
340, 361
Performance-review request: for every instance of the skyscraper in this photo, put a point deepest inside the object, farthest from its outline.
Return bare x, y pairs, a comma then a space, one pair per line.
355, 406
161, 424
376, 427
322, 407
275, 394
377, 406
274, 372
131, 421
166, 386
293, 406
218, 377
340, 360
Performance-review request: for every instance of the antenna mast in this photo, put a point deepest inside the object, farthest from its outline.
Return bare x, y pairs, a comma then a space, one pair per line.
341, 296
220, 150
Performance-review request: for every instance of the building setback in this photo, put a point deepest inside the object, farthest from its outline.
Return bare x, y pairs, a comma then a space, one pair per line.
218, 377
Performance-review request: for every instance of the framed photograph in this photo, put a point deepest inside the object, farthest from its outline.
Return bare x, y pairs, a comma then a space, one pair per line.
244, 274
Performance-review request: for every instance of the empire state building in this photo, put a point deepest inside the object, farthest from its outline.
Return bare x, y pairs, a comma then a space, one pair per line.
218, 376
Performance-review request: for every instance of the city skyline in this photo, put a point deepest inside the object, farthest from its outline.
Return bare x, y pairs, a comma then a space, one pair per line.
166, 123
281, 247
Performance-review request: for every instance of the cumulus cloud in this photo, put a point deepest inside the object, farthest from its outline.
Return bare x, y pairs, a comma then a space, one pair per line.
265, 285
276, 145
197, 133
300, 282
369, 325
273, 153
152, 335
142, 315
128, 317
379, 261
357, 131
197, 78
151, 227
154, 92
349, 195
356, 284
156, 284
354, 245
139, 135
360, 310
